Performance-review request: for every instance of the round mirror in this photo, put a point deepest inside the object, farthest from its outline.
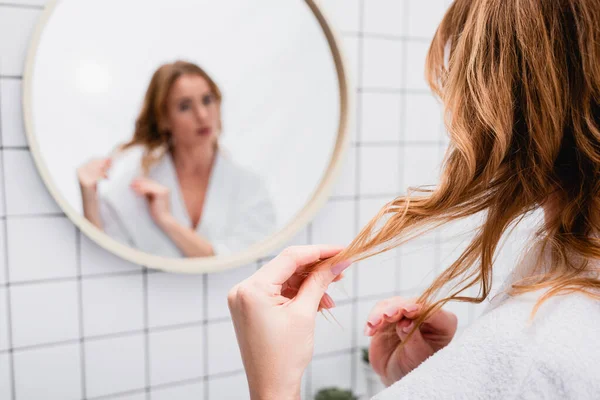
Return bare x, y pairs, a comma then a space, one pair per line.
186, 135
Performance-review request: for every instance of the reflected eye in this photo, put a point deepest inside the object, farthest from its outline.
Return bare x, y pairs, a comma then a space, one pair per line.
184, 107
207, 100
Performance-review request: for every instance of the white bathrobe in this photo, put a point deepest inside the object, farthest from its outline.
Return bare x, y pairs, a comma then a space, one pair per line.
500, 356
238, 210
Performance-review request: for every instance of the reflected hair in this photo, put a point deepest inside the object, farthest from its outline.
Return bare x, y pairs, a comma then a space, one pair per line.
150, 128
520, 86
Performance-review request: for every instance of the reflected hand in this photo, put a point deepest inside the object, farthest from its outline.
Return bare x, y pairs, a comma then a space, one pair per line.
274, 313
387, 359
91, 172
157, 195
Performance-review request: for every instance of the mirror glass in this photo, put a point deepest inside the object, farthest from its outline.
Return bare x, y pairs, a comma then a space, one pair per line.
184, 128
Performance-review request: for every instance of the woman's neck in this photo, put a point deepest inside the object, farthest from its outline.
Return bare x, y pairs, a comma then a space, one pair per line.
196, 160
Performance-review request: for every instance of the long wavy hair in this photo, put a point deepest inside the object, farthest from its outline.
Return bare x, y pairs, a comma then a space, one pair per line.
520, 84
150, 126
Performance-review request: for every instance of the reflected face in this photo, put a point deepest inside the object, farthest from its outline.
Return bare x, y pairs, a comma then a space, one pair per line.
193, 112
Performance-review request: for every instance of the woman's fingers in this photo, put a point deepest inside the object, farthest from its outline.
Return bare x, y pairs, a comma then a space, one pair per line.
391, 310
291, 260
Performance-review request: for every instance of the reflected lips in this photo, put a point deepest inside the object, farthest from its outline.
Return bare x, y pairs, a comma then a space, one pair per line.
204, 131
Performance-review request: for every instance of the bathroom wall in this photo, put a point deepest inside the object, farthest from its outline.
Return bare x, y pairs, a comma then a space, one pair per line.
78, 323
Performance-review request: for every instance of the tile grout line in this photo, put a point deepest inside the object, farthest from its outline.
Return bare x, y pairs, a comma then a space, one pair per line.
9, 328
81, 313
357, 174
402, 133
309, 370
22, 6
146, 333
205, 334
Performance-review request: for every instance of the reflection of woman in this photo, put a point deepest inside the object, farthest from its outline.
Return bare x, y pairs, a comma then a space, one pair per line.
170, 190
520, 82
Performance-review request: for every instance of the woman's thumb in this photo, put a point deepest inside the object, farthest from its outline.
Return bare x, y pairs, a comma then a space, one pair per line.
416, 343
316, 283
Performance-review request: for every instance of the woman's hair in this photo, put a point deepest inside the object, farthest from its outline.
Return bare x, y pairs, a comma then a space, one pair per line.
150, 130
520, 84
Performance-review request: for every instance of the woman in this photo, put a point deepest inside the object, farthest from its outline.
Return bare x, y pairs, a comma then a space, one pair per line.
171, 190
520, 81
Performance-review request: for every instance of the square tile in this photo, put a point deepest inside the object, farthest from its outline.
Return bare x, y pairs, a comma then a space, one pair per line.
370, 208
112, 305
176, 355
424, 118
2, 185
334, 371
12, 128
345, 184
377, 274
219, 285
344, 15
223, 351
331, 335
25, 191
140, 395
363, 310
16, 24
49, 373
31, 240
175, 299
425, 16
194, 391
416, 53
334, 224
97, 261
379, 170
421, 166
301, 238
4, 327
44, 313
5, 377
114, 365
232, 387
3, 255
383, 65
417, 265
349, 49
385, 17
381, 117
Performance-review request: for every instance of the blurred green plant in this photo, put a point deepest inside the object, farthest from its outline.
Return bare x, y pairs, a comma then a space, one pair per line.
333, 393
365, 354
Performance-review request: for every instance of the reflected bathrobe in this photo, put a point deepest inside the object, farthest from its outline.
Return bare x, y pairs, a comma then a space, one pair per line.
500, 356
238, 210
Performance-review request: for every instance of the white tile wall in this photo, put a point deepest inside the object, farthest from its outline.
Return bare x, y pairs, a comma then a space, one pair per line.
5, 377
381, 117
49, 373
176, 355
13, 133
383, 65
115, 365
84, 323
193, 391
44, 313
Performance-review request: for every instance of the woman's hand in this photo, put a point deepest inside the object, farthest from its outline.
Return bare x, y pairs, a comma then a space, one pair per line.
91, 172
387, 359
158, 197
274, 314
